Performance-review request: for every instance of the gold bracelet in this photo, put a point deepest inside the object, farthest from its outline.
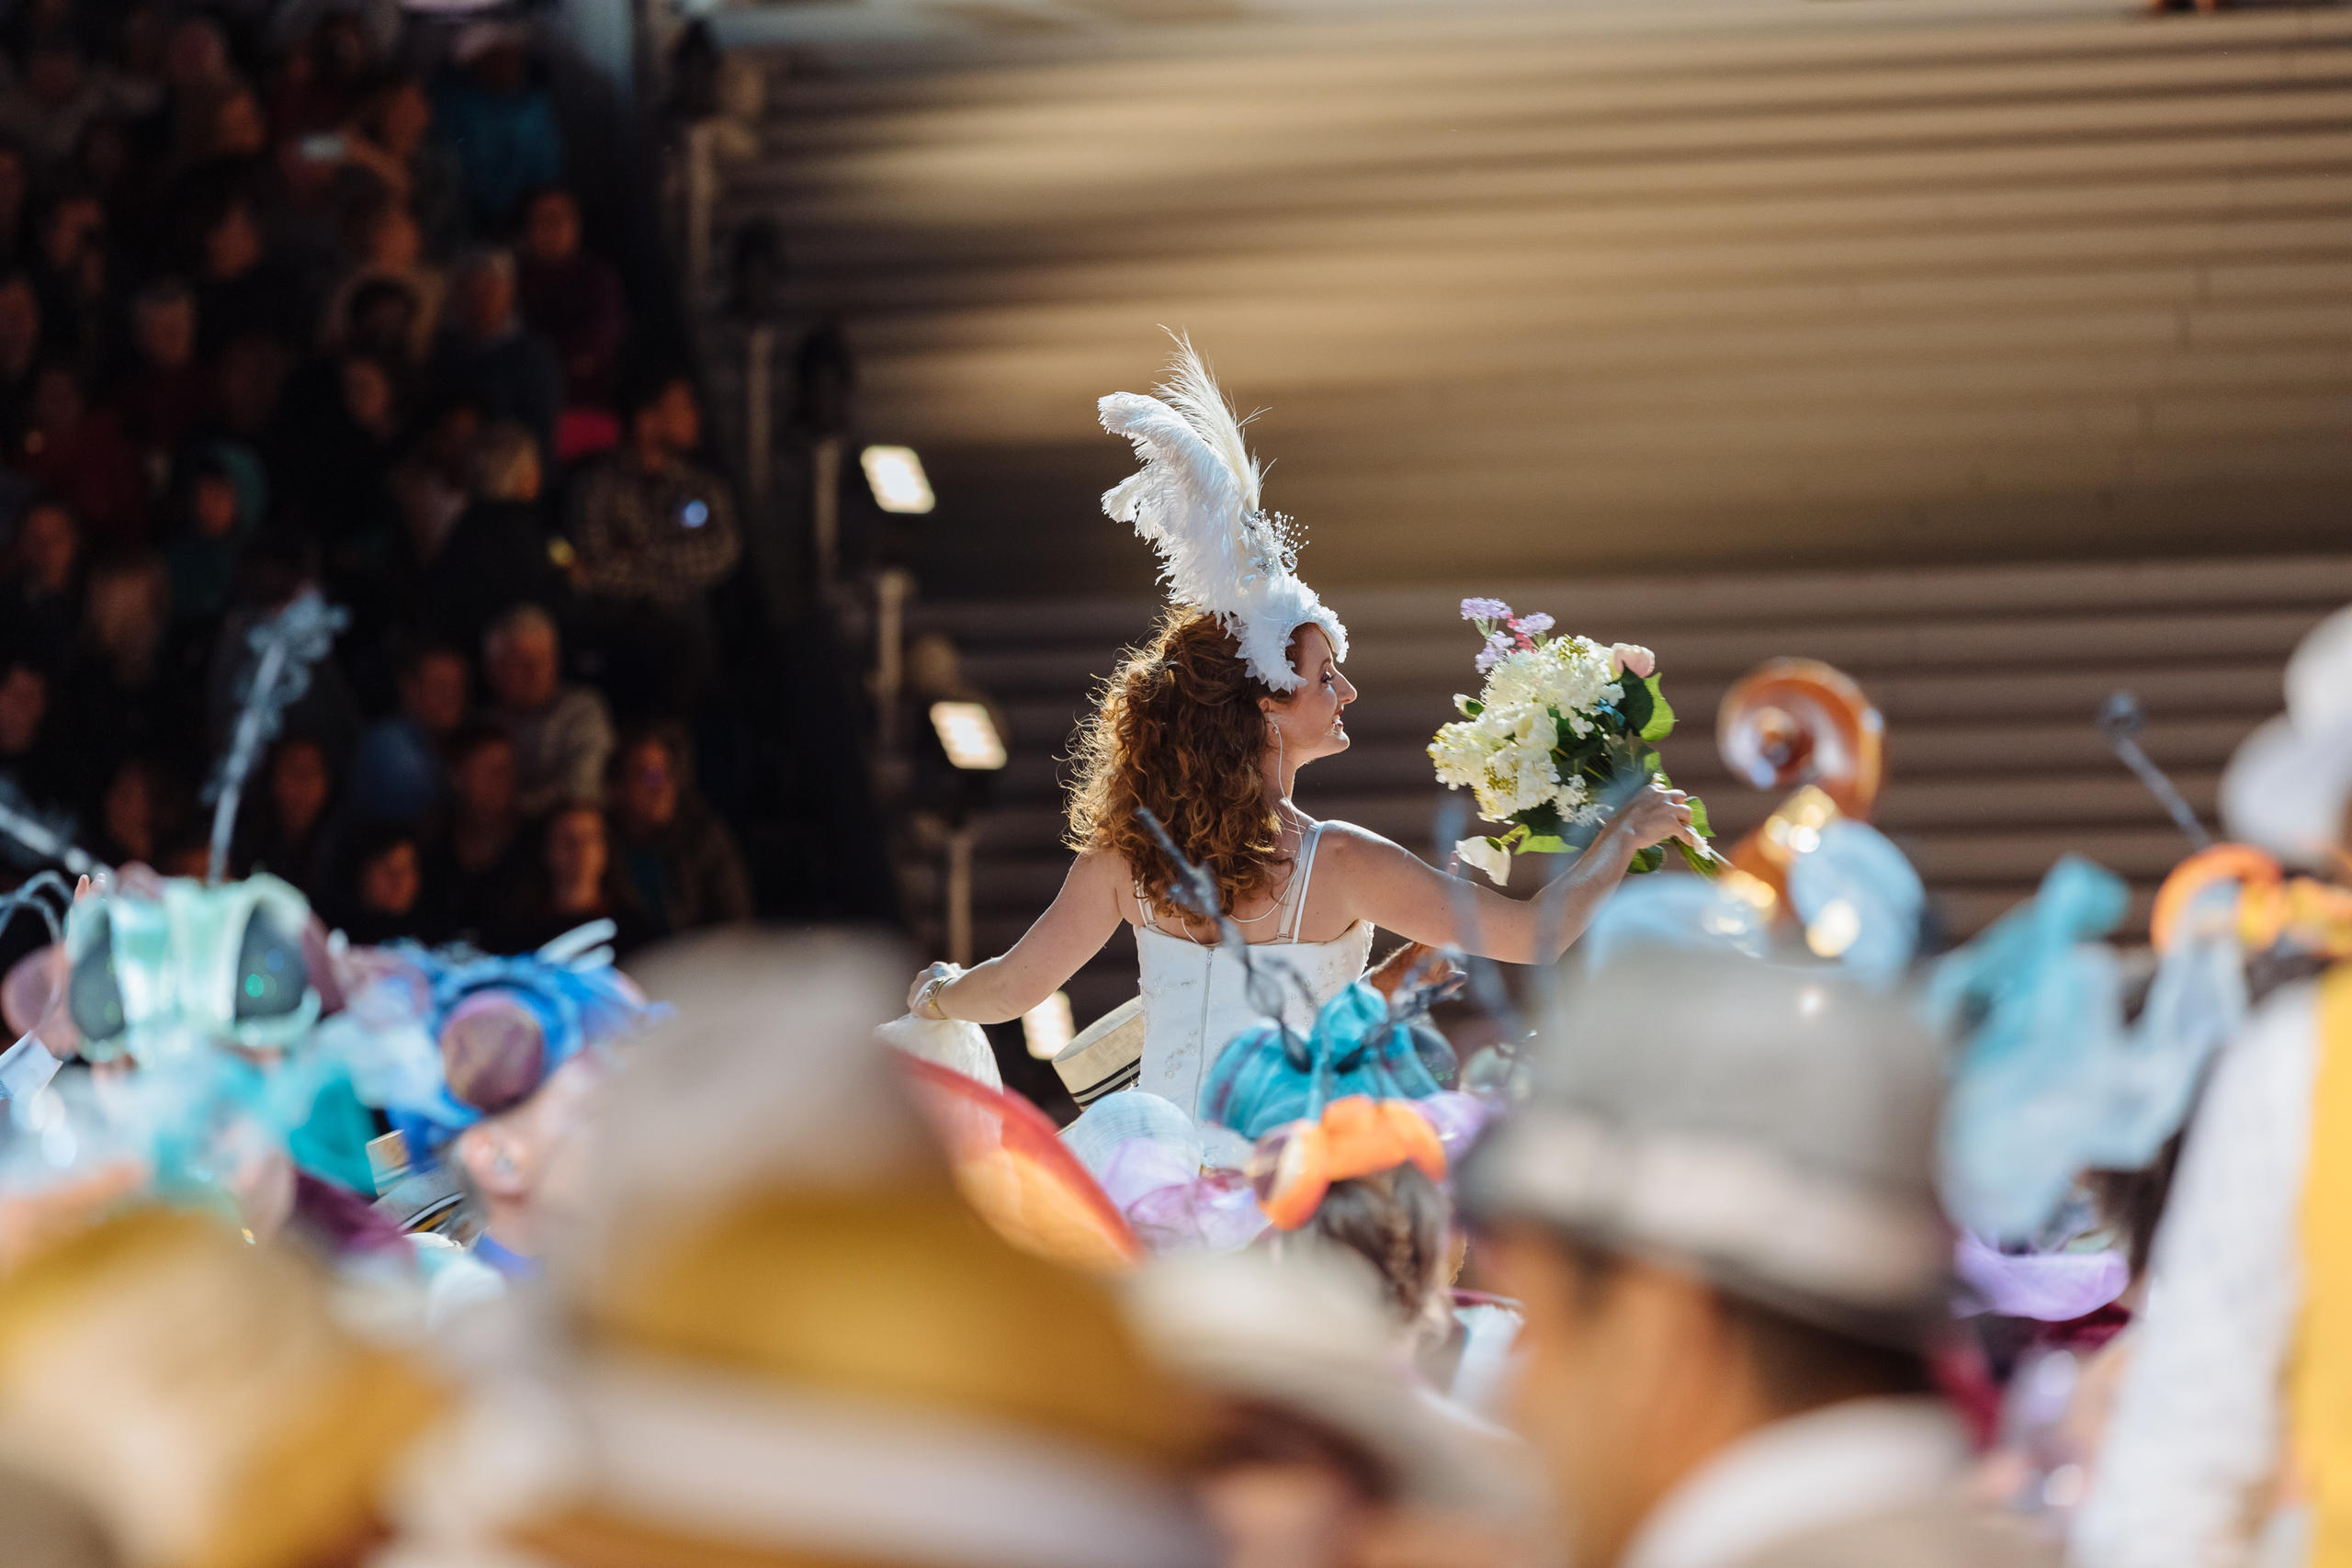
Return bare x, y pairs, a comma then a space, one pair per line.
927, 1000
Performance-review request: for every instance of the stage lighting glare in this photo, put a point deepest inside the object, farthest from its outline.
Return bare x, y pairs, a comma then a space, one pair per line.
895, 475
969, 735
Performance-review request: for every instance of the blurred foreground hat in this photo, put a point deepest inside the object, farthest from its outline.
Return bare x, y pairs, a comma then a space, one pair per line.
1771, 1127
2286, 787
788, 1339
194, 1394
1309, 1334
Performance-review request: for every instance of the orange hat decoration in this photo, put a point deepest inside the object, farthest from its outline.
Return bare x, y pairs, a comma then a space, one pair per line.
1356, 1136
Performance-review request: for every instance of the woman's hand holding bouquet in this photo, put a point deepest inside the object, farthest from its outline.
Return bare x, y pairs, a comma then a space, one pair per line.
1561, 737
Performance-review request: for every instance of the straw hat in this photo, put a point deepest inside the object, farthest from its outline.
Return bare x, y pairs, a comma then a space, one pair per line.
787, 1339
194, 1394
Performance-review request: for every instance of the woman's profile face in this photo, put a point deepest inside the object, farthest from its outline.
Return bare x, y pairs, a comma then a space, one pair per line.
1310, 719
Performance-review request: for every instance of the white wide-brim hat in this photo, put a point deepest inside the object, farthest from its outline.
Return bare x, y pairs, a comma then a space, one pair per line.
2287, 784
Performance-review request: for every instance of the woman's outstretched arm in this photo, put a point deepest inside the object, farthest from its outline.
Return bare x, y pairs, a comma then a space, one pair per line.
1072, 931
1385, 884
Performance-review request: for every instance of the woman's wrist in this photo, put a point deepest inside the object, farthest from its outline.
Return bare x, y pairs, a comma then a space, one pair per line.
928, 1001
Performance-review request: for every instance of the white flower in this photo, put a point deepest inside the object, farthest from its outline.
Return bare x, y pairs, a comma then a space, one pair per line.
1486, 855
1460, 753
1569, 673
1518, 772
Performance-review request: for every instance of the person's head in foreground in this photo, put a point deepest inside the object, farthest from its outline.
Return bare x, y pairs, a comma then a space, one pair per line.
1718, 1212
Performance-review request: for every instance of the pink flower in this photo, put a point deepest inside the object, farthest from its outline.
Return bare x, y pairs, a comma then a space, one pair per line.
1633, 656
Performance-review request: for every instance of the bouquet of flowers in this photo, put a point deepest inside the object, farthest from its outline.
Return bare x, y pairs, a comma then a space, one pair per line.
1562, 734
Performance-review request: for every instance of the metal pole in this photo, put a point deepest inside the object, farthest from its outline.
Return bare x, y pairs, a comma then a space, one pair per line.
759, 410
959, 895
892, 588
2121, 719
825, 512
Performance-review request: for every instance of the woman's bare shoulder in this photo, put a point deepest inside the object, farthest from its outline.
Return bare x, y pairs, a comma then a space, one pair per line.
1344, 845
1100, 872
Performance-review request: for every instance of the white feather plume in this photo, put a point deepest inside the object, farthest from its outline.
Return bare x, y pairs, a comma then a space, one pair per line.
1196, 500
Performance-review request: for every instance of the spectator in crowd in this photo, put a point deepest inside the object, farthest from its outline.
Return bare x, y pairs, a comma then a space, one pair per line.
143, 808
219, 503
225, 132
107, 164
252, 375
398, 773
240, 290
489, 353
576, 883
651, 525
653, 531
80, 452
41, 597
563, 733
55, 96
132, 691
170, 391
390, 245
338, 470
380, 319
473, 872
74, 275
379, 896
571, 299
500, 122
32, 759
197, 65
434, 483
680, 860
320, 79
393, 151
16, 203
496, 556
19, 353
292, 836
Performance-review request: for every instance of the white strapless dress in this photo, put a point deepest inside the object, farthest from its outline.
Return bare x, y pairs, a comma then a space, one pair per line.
1195, 998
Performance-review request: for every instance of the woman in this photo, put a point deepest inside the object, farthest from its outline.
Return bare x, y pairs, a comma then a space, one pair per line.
1207, 726
577, 884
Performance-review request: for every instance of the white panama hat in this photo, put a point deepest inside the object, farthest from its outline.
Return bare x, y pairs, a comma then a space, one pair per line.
2286, 784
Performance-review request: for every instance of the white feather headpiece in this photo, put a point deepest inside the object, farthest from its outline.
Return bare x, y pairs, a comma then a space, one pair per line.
1196, 500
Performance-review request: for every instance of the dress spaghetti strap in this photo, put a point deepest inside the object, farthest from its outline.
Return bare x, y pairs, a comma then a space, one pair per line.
1298, 883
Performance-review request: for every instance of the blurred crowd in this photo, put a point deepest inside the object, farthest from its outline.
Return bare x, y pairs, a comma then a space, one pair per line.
298, 294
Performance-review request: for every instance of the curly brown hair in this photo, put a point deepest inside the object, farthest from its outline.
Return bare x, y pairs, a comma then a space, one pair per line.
1179, 730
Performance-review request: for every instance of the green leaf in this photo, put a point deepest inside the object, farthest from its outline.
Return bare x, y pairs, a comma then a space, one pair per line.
1646, 859
1636, 706
1543, 844
1659, 723
1471, 707
1543, 820
1698, 818
1706, 865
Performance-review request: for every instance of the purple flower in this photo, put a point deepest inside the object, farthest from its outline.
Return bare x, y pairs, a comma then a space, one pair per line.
1498, 644
1484, 610
1534, 626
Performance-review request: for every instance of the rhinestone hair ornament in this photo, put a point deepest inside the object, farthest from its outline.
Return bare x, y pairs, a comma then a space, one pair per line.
1196, 500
